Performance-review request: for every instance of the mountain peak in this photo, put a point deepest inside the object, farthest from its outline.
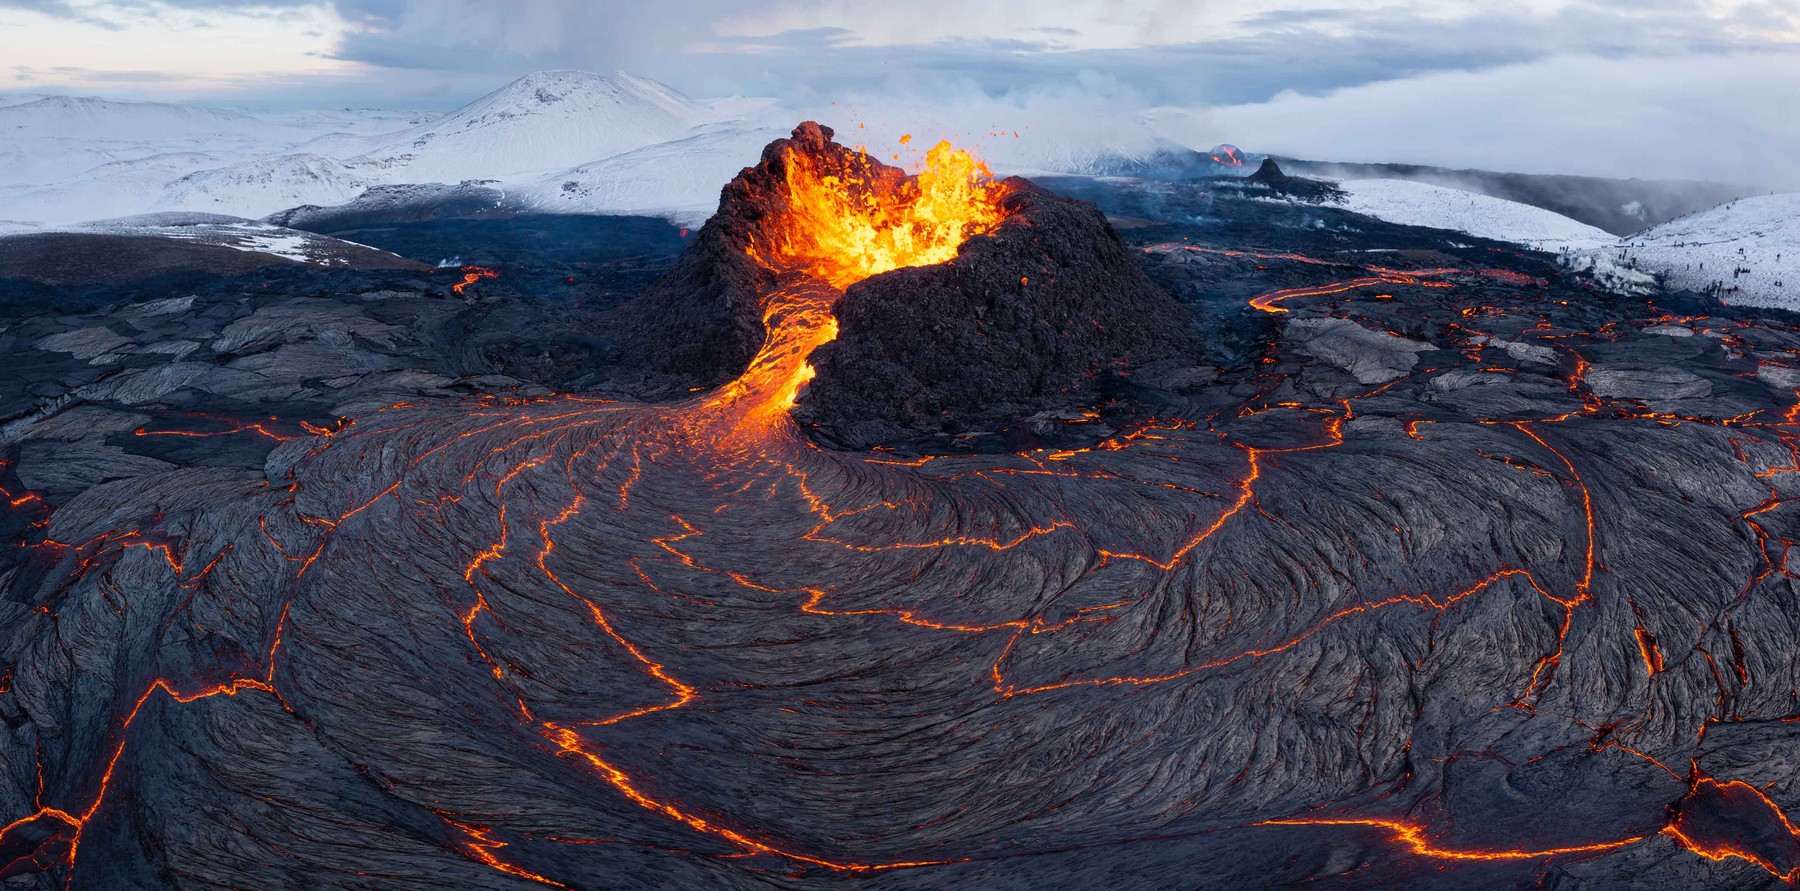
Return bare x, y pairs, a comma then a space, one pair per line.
544, 121
554, 86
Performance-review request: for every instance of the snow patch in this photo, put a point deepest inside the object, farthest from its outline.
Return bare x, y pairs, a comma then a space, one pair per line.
1421, 204
1747, 251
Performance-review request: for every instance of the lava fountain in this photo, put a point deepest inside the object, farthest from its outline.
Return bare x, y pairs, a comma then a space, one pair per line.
840, 217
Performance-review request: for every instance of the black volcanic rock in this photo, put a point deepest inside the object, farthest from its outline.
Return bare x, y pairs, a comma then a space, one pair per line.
288, 608
1027, 318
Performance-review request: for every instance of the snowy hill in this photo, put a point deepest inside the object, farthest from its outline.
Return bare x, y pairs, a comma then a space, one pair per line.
1748, 249
551, 120
63, 160
59, 137
250, 187
114, 189
1420, 204
66, 159
679, 180
74, 117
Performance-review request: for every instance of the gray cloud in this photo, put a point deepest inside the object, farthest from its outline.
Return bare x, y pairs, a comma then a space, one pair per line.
1720, 116
1456, 82
1305, 50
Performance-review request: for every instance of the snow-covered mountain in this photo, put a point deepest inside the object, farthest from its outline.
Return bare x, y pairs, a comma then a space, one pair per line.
64, 160
1748, 249
543, 122
1421, 204
249, 188
679, 180
59, 137
90, 119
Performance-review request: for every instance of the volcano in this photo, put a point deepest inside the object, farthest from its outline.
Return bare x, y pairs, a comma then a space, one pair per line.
931, 301
1470, 575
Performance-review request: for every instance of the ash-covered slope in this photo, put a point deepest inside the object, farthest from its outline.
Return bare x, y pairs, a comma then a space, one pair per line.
1032, 317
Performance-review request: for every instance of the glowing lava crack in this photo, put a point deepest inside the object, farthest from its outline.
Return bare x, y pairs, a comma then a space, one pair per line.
584, 644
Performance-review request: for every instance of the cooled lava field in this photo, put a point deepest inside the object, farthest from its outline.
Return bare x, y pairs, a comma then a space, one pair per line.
904, 532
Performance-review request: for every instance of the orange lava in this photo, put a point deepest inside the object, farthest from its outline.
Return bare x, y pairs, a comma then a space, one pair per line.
1415, 839
1743, 797
842, 224
845, 225
471, 275
1269, 302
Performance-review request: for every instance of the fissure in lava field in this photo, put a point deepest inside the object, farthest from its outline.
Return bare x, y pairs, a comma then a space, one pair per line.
1460, 586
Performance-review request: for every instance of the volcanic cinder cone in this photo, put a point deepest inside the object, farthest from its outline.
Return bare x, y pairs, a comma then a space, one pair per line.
1031, 315
1270, 173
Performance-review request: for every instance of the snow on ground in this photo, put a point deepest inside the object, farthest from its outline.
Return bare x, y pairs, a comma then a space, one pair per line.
62, 137
1420, 204
678, 180
67, 159
1613, 269
1748, 249
250, 187
114, 189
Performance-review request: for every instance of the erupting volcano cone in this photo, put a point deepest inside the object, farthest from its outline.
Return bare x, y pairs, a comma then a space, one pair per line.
941, 300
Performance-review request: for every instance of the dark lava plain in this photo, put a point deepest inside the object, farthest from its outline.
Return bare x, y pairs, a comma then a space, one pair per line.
1434, 568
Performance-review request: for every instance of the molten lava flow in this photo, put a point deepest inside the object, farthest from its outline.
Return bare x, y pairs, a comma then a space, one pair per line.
1228, 155
471, 275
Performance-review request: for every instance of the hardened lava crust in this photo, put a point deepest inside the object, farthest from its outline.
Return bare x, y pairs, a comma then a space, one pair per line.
1470, 575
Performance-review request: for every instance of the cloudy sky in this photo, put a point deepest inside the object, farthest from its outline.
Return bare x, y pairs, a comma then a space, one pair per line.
1612, 87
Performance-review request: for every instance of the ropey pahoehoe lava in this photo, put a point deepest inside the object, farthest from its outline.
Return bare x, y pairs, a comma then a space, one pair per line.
1460, 586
